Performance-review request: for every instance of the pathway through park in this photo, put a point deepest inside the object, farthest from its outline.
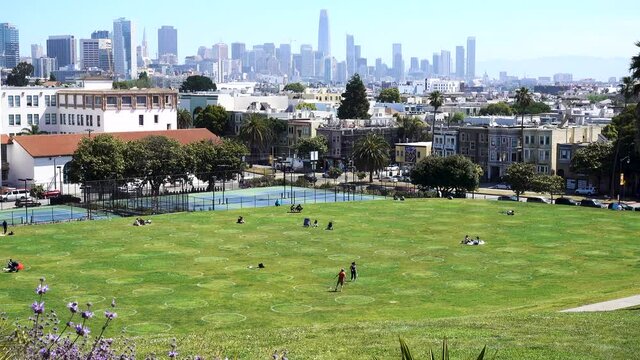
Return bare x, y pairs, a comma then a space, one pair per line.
608, 305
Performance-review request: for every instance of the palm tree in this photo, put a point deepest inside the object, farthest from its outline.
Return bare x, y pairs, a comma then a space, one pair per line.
436, 99
626, 89
184, 119
410, 127
255, 131
371, 153
523, 100
33, 130
635, 76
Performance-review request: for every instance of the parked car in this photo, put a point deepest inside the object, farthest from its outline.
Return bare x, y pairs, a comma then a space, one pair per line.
507, 198
388, 179
501, 186
566, 201
13, 195
588, 191
538, 199
310, 177
27, 202
50, 194
592, 203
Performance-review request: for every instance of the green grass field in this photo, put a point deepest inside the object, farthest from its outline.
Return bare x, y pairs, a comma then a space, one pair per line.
187, 276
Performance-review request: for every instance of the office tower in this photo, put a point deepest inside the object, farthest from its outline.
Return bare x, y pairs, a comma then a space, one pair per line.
124, 45
436, 64
415, 67
358, 52
167, 40
238, 51
9, 46
424, 66
460, 62
269, 49
341, 72
318, 64
397, 62
142, 51
329, 64
100, 34
284, 59
36, 51
307, 61
445, 62
96, 53
220, 51
362, 68
379, 69
63, 49
43, 66
351, 56
324, 41
471, 57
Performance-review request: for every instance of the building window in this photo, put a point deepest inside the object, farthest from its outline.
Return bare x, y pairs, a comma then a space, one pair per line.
18, 119
126, 101
155, 118
72, 119
36, 119
565, 154
156, 100
98, 120
47, 100
17, 100
35, 100
472, 145
543, 169
141, 100
112, 101
29, 101
29, 119
11, 121
47, 119
97, 100
504, 140
90, 120
10, 100
493, 141
88, 100
81, 120
141, 120
53, 100
167, 100
493, 155
527, 154
54, 120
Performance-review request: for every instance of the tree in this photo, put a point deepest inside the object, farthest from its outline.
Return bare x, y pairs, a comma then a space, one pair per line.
626, 89
19, 75
436, 99
278, 129
33, 130
334, 172
256, 133
520, 177
304, 146
500, 108
295, 87
99, 157
306, 106
457, 118
213, 118
371, 153
213, 162
550, 184
409, 128
390, 95
184, 119
634, 67
523, 100
447, 174
52, 77
354, 104
156, 160
197, 83
593, 160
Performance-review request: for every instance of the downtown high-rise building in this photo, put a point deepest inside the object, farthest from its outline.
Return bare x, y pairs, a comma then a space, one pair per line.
471, 57
415, 65
425, 67
96, 53
351, 56
37, 51
63, 49
307, 61
220, 51
142, 51
460, 62
43, 66
100, 34
284, 59
238, 51
435, 63
445, 63
124, 49
397, 62
167, 41
9, 46
324, 40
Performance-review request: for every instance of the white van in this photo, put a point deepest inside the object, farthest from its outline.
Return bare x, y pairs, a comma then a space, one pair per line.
13, 195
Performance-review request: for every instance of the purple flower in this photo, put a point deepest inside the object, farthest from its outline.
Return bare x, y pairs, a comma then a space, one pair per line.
110, 315
87, 314
73, 307
44, 353
42, 289
173, 354
38, 308
82, 331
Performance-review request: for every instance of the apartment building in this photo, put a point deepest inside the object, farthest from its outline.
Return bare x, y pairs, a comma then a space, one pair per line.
445, 142
473, 143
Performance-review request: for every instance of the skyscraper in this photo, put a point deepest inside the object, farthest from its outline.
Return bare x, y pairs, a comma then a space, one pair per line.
324, 41
220, 51
471, 57
100, 34
397, 62
424, 66
415, 66
460, 62
167, 40
36, 51
307, 61
445, 62
238, 51
63, 49
284, 59
96, 53
9, 45
435, 63
124, 45
142, 50
351, 56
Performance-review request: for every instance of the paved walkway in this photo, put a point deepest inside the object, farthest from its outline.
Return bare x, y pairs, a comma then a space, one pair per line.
608, 305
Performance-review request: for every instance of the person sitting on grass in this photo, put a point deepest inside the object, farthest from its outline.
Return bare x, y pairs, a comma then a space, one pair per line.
315, 223
306, 222
240, 220
292, 208
477, 241
466, 240
299, 208
330, 225
511, 212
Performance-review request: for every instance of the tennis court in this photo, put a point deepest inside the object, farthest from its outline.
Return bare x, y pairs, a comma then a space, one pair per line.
48, 214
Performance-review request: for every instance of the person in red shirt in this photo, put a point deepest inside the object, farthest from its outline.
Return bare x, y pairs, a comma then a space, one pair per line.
341, 276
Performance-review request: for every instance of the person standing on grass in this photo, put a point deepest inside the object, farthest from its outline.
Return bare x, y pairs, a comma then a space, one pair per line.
354, 272
341, 276
4, 226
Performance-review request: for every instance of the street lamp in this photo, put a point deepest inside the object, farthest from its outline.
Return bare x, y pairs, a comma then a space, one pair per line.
26, 208
213, 191
60, 172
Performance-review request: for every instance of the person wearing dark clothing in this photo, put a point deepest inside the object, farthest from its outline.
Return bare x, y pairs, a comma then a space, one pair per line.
341, 275
330, 225
354, 272
4, 226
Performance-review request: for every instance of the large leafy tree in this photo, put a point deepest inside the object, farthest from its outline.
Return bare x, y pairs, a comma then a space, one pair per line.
354, 103
594, 160
216, 161
33, 130
156, 159
213, 118
520, 177
390, 95
436, 99
550, 184
304, 146
371, 153
409, 128
256, 133
184, 119
446, 174
19, 75
295, 87
97, 158
500, 108
198, 83
626, 89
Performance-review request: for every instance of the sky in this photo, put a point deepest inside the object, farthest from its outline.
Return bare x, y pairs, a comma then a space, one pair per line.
504, 30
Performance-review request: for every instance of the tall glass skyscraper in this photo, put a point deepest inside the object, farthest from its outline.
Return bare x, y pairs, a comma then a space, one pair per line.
397, 62
351, 56
471, 57
124, 49
9, 45
167, 40
324, 41
63, 49
460, 62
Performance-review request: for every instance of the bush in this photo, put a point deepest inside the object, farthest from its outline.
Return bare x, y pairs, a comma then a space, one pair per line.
65, 199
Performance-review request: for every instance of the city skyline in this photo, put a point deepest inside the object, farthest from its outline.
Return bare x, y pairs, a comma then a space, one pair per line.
576, 33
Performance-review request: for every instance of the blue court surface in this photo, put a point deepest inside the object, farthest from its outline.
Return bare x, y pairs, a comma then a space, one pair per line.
48, 214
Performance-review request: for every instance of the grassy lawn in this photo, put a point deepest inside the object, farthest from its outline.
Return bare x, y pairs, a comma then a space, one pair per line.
188, 276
